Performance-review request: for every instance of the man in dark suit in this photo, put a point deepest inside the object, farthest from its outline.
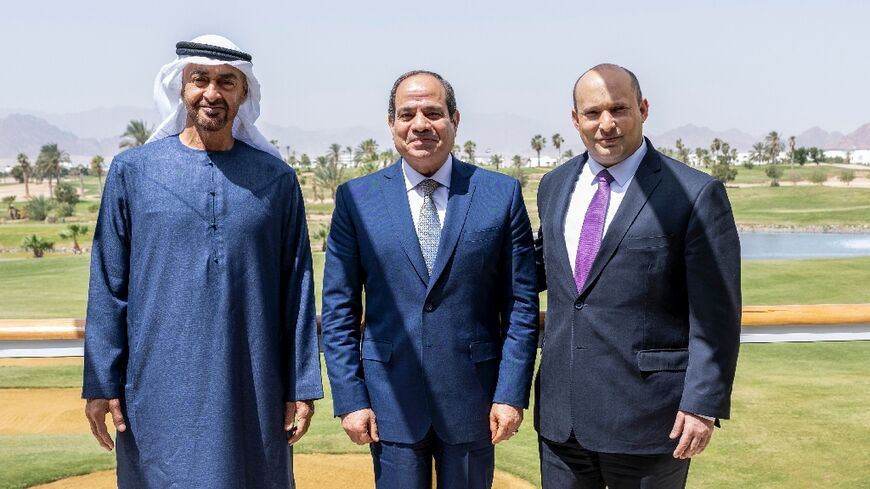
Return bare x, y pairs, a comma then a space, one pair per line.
445, 364
642, 265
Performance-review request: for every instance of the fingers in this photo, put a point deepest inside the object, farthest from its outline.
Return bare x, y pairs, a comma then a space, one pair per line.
95, 411
493, 425
678, 425
361, 426
304, 412
373, 429
503, 433
289, 415
685, 441
117, 415
696, 433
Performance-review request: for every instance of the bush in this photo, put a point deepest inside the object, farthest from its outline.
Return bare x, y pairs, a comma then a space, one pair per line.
65, 193
846, 176
37, 245
818, 177
94, 208
37, 208
794, 177
64, 209
724, 172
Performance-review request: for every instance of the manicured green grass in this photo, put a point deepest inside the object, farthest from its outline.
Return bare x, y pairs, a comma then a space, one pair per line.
57, 286
27, 460
801, 206
757, 173
822, 281
799, 421
11, 234
40, 377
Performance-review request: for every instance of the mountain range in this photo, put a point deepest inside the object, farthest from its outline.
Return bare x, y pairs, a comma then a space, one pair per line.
87, 133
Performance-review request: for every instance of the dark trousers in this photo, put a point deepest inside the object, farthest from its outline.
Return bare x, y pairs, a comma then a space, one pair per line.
409, 465
570, 466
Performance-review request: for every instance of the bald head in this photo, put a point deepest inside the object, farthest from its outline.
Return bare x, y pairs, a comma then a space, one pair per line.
609, 70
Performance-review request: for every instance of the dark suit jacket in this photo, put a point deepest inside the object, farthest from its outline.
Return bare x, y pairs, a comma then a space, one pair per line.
437, 352
656, 328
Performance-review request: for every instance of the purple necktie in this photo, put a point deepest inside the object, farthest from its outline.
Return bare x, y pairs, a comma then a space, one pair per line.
592, 230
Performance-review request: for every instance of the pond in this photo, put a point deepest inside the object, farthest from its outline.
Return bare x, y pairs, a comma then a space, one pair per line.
801, 246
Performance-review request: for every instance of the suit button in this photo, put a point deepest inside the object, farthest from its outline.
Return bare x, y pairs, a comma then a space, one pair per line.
429, 307
579, 305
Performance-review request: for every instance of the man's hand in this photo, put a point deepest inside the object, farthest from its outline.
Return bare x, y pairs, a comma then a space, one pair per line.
95, 411
297, 419
694, 432
361, 426
504, 421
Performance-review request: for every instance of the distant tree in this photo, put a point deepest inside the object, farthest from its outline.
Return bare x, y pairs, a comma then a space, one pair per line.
388, 156
801, 155
791, 144
456, 149
715, 147
305, 161
723, 172
328, 173
774, 172
682, 151
816, 155
25, 169
557, 141
66, 196
774, 147
334, 153
846, 176
274, 142
470, 147
518, 172
669, 152
48, 163
568, 154
495, 160
322, 233
73, 232
97, 169
37, 208
368, 164
37, 245
11, 211
848, 157
794, 177
703, 157
818, 176
368, 149
759, 153
538, 142
80, 171
137, 133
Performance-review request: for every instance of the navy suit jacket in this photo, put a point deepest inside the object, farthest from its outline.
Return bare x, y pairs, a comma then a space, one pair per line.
437, 351
656, 328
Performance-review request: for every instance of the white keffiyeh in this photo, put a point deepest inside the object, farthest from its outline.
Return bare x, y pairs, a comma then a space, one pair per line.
167, 96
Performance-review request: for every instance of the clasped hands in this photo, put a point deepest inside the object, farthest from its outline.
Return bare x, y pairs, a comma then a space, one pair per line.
362, 426
297, 419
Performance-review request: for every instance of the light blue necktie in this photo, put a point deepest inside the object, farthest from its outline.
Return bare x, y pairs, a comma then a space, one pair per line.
429, 225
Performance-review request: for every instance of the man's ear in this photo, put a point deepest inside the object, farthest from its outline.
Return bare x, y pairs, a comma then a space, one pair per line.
455, 120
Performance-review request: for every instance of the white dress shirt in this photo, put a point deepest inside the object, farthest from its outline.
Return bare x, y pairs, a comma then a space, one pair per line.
585, 188
415, 193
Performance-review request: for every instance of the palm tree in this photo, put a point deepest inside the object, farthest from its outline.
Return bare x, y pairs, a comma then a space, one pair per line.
495, 160
388, 156
37, 245
469, 147
334, 153
568, 154
682, 151
538, 143
774, 146
26, 170
48, 163
73, 231
137, 134
328, 172
759, 153
518, 172
97, 169
715, 146
80, 171
367, 148
557, 143
322, 233
791, 144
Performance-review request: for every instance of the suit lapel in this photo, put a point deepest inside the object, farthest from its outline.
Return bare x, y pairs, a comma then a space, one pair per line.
458, 202
396, 200
645, 181
559, 206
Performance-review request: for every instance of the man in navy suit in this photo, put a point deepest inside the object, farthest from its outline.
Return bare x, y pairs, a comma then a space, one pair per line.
443, 252
642, 266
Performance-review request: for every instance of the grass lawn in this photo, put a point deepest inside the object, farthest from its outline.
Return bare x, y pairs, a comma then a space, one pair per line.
801, 206
820, 281
757, 175
800, 421
12, 234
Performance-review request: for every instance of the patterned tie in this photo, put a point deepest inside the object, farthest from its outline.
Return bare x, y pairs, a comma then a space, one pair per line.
592, 230
429, 226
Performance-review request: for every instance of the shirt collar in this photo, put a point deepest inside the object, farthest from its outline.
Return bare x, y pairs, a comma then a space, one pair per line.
621, 172
442, 176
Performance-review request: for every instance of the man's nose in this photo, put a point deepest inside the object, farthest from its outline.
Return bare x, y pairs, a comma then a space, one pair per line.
211, 93
419, 123
607, 122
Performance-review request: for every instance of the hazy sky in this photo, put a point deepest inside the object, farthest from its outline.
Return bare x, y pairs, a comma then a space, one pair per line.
753, 65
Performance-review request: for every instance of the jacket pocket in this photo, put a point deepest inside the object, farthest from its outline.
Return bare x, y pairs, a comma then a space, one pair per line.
482, 351
377, 350
646, 242
481, 235
659, 360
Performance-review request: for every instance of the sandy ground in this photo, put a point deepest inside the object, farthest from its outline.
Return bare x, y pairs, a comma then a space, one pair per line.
61, 411
40, 362
17, 189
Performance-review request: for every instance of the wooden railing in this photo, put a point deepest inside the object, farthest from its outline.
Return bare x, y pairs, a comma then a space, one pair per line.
753, 316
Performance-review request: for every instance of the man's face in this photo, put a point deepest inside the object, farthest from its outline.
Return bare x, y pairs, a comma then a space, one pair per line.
608, 115
423, 130
212, 95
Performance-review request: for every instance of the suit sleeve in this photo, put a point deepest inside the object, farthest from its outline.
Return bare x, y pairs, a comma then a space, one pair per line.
297, 291
519, 308
106, 347
540, 266
712, 257
342, 310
